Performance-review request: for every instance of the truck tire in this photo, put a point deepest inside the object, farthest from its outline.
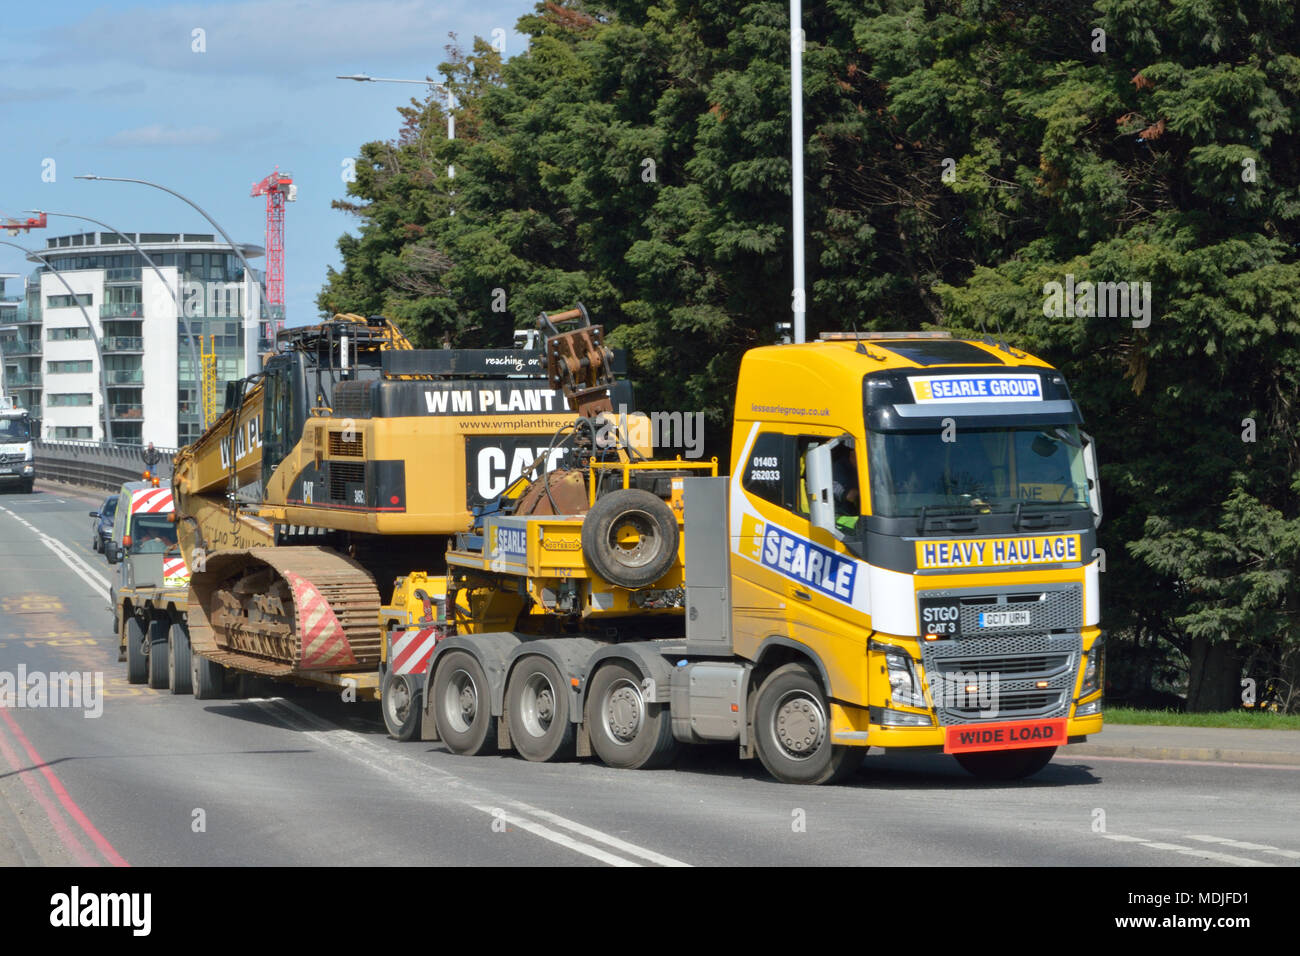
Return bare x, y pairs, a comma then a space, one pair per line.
625, 731
158, 628
28, 487
137, 658
630, 537
207, 678
1006, 764
178, 659
792, 730
462, 705
400, 697
537, 707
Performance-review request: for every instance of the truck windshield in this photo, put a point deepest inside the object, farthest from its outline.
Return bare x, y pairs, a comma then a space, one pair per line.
152, 534
980, 470
14, 429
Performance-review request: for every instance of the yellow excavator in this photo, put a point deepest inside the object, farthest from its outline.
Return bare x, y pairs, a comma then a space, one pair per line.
316, 511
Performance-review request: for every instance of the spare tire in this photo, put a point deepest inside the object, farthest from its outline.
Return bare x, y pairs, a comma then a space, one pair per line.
630, 537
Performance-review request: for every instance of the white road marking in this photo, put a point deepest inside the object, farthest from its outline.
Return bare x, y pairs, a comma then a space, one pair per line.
1199, 852
420, 777
97, 581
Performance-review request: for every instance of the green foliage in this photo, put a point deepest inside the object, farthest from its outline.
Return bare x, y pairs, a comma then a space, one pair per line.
636, 158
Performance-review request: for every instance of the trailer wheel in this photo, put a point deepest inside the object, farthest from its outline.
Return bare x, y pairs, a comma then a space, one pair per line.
137, 659
630, 537
400, 697
178, 659
206, 677
625, 731
537, 702
792, 730
462, 705
158, 656
1006, 764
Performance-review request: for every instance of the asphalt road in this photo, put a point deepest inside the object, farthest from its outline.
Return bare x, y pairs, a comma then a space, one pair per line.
300, 777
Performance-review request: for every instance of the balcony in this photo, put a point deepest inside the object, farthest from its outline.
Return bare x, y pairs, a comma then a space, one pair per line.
20, 347
121, 310
124, 376
126, 412
123, 343
119, 276
23, 379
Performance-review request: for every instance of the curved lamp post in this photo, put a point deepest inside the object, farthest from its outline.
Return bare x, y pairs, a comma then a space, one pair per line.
251, 356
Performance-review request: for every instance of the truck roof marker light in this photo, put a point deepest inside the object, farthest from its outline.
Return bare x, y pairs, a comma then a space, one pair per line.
735, 708
145, 476
1042, 684
573, 681
932, 637
155, 482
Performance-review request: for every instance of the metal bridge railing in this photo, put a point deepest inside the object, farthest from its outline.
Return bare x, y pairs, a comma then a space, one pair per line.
96, 464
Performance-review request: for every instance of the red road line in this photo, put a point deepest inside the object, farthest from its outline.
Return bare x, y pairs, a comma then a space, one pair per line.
68, 838
70, 805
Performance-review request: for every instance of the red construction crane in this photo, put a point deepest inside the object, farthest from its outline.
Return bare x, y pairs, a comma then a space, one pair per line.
278, 188
30, 223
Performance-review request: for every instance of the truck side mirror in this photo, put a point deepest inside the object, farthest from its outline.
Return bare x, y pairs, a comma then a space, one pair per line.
1094, 481
112, 553
820, 486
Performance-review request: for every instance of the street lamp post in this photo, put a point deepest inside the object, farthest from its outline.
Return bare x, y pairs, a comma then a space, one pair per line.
451, 101
799, 298
185, 320
90, 327
252, 360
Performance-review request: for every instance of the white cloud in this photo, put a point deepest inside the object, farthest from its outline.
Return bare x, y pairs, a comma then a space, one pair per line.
159, 134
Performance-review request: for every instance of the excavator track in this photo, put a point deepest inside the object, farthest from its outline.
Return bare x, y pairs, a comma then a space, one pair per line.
281, 611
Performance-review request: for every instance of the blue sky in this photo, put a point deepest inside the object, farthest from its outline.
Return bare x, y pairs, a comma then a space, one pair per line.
118, 90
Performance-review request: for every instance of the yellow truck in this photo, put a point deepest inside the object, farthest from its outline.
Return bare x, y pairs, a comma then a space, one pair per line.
903, 556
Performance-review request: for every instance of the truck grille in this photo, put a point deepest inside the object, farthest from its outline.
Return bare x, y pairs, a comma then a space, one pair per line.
1005, 666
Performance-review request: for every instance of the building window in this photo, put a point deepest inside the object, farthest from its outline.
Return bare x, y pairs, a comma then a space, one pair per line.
68, 301
67, 368
72, 432
68, 399
79, 332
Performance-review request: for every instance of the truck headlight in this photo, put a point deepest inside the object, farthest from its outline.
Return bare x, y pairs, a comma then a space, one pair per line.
904, 685
1088, 709
1093, 669
28, 469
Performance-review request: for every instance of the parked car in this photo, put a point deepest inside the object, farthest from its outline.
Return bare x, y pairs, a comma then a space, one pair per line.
101, 529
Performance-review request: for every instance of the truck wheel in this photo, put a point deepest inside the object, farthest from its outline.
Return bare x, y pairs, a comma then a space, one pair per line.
625, 731
1006, 764
158, 656
400, 697
27, 487
206, 677
630, 537
462, 705
537, 702
178, 659
792, 730
137, 659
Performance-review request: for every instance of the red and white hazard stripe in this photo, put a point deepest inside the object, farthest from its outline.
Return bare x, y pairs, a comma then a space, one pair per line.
152, 501
174, 568
411, 650
324, 644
